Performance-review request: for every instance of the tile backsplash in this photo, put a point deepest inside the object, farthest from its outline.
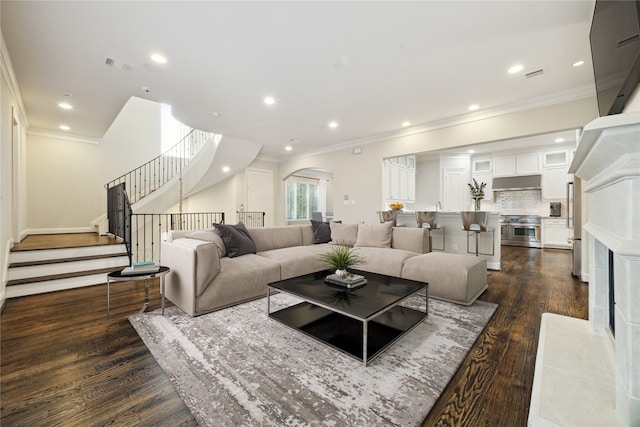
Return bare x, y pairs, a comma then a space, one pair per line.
526, 202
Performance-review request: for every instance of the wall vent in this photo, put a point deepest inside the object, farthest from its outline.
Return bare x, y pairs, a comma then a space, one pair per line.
535, 73
118, 65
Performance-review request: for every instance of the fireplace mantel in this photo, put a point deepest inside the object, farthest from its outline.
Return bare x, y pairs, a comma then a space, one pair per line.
607, 160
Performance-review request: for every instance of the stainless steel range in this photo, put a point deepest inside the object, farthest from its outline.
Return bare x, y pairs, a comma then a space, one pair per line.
520, 230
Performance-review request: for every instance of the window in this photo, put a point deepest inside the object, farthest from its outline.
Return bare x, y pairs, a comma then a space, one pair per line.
303, 197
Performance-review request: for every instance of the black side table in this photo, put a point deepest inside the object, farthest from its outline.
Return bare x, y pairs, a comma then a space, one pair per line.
117, 276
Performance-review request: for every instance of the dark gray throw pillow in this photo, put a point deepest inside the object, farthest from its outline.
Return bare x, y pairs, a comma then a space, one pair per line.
236, 239
321, 232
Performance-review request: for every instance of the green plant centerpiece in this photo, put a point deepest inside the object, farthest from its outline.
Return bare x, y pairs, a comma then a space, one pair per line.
477, 192
341, 258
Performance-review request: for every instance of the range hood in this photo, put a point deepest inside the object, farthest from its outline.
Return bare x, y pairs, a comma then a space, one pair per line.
517, 183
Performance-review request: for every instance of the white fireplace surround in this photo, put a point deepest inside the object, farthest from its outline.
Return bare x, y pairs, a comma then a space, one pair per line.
607, 161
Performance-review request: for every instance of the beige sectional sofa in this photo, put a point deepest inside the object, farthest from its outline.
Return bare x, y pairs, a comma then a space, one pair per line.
203, 278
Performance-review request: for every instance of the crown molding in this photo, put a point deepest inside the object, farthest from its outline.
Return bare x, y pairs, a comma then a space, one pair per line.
530, 104
12, 82
63, 136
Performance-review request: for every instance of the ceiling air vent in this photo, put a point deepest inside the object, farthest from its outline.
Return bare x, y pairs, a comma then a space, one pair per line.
535, 73
118, 65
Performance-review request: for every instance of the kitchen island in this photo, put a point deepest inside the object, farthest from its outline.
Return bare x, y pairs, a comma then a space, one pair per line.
455, 237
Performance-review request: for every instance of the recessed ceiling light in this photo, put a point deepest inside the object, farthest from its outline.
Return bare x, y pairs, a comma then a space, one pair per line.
65, 106
156, 57
215, 114
473, 107
288, 148
471, 151
516, 69
226, 169
559, 140
269, 100
64, 127
405, 124
578, 63
333, 125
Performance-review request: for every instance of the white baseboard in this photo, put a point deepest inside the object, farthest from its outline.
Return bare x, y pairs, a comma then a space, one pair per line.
5, 273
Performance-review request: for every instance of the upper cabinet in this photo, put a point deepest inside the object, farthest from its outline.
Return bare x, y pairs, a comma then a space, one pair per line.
400, 179
555, 158
481, 171
528, 164
504, 165
481, 166
517, 164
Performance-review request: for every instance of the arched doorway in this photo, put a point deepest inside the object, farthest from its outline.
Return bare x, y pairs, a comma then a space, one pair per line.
308, 195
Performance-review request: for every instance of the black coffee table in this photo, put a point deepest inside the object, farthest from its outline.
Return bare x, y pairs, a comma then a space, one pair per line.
362, 322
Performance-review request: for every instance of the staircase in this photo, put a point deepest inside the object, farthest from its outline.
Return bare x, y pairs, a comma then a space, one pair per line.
46, 263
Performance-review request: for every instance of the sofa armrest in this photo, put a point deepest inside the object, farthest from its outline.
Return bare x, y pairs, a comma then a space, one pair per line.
410, 239
176, 234
194, 264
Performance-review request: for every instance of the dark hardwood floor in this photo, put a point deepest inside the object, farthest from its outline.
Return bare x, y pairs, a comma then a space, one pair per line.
63, 363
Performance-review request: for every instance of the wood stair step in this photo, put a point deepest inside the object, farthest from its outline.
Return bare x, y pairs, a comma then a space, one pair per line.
104, 271
62, 260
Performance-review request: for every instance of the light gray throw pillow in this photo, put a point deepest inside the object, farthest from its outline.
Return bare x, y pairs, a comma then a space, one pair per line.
374, 235
344, 234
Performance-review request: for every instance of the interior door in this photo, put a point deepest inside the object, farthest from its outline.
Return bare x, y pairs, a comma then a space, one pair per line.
454, 189
259, 185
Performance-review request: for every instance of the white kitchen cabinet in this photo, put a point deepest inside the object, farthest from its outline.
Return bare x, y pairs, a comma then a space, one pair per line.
555, 158
486, 177
504, 165
528, 164
517, 164
400, 179
481, 166
555, 233
554, 183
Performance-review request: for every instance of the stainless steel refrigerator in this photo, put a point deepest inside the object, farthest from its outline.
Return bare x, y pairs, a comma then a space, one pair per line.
574, 224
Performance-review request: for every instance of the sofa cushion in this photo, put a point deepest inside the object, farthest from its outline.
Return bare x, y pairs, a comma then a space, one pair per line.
451, 277
344, 234
236, 239
374, 235
321, 232
267, 238
240, 279
383, 260
210, 236
299, 260
410, 239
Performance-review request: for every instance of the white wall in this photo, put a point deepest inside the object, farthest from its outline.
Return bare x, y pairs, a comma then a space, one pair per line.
360, 176
66, 177
12, 164
229, 195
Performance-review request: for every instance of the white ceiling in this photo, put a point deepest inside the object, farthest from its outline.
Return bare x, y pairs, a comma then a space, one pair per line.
367, 65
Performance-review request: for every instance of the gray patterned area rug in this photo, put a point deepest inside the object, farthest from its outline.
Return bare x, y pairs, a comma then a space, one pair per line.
238, 367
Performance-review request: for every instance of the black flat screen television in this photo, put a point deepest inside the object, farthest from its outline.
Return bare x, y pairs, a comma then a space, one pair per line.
615, 52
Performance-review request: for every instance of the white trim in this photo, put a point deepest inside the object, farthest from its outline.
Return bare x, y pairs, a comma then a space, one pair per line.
63, 136
56, 285
543, 101
12, 82
5, 273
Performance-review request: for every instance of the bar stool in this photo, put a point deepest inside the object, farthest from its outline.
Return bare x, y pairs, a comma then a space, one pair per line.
429, 220
387, 216
476, 222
